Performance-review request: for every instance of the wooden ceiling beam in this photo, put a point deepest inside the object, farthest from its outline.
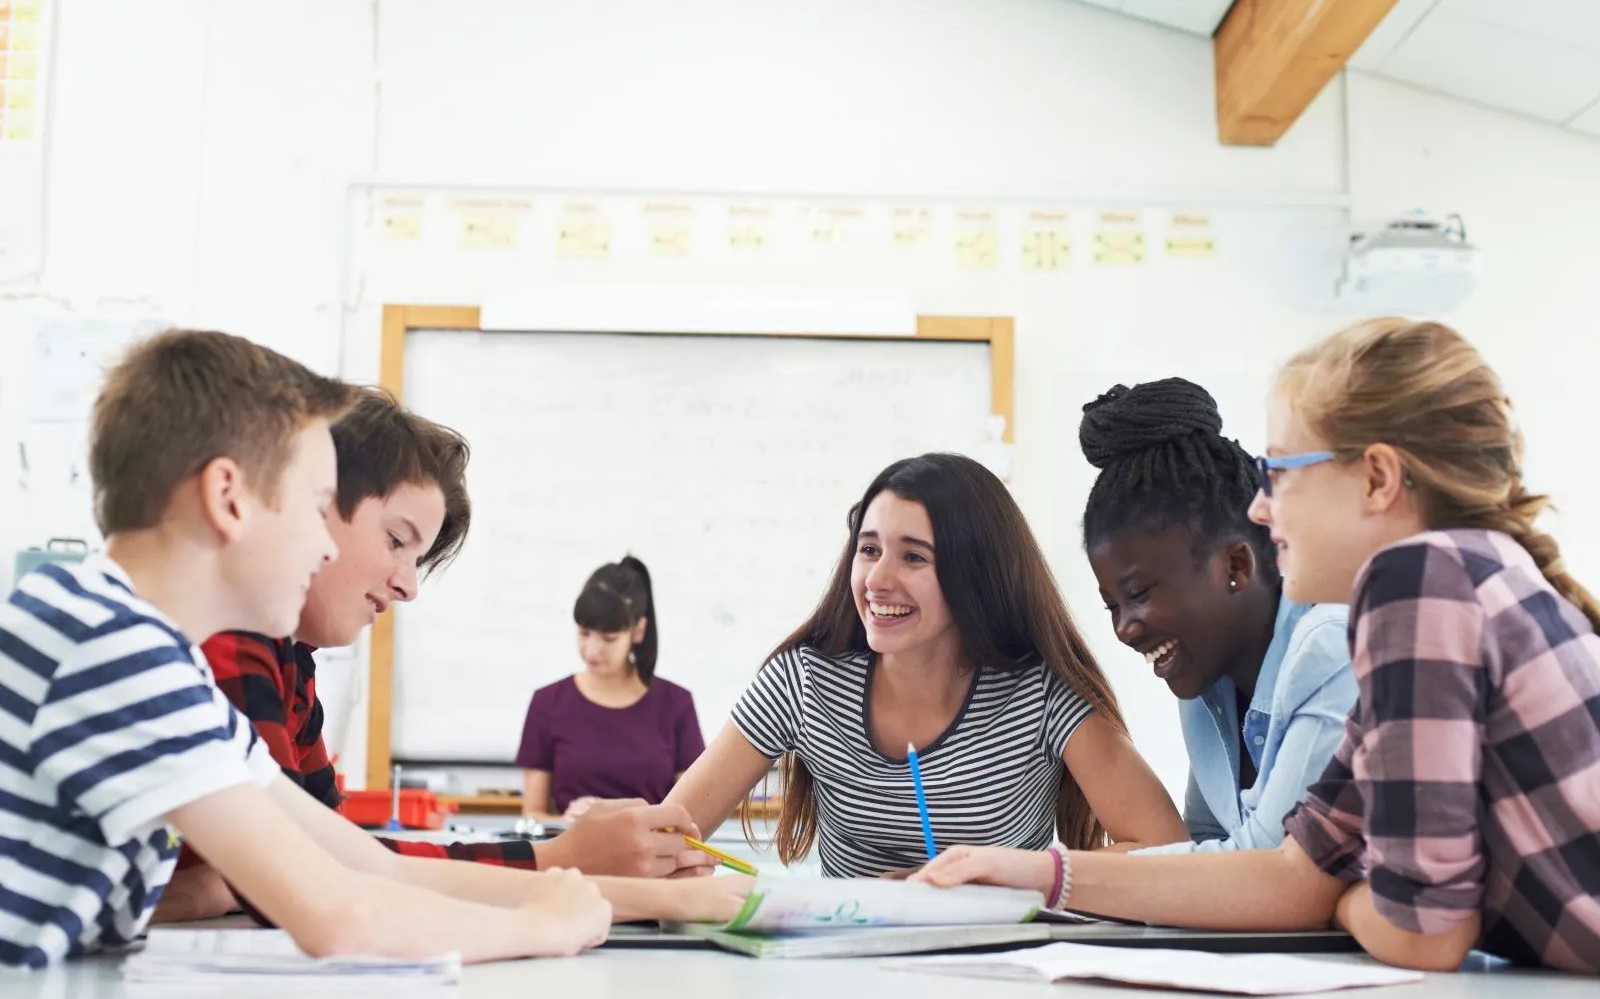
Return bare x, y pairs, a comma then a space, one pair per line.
1273, 57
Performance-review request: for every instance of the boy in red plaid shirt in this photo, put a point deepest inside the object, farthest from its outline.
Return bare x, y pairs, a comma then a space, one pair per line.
403, 511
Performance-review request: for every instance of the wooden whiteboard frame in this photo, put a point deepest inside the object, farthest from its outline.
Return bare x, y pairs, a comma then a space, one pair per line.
400, 320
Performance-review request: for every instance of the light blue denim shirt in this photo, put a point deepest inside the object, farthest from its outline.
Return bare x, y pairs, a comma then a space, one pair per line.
1294, 723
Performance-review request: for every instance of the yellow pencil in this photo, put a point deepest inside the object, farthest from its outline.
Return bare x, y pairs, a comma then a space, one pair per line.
728, 860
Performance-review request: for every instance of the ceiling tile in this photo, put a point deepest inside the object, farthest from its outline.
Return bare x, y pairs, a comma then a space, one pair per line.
1199, 17
1588, 120
1490, 64
1390, 32
1575, 22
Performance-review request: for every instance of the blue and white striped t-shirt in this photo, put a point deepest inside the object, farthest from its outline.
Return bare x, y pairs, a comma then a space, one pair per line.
991, 779
109, 720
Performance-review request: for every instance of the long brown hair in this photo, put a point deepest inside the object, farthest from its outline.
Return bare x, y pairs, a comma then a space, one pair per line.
1005, 605
1422, 389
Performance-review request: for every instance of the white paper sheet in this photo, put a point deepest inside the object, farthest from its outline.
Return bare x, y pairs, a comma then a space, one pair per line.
1240, 974
229, 957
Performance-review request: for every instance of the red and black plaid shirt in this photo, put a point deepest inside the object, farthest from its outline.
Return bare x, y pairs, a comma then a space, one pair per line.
273, 682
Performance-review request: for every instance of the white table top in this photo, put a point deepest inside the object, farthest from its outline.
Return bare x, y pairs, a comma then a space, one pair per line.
608, 973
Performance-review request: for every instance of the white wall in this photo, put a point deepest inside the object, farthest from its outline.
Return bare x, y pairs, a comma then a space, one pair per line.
201, 152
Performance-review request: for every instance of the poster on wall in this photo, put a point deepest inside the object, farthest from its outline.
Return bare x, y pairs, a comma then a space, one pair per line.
23, 29
71, 355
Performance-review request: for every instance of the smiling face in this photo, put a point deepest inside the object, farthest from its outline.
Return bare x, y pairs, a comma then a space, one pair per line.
1317, 514
379, 545
895, 582
286, 545
1175, 604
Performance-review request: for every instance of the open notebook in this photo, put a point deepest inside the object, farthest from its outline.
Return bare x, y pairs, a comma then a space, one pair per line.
224, 958
805, 917
1240, 974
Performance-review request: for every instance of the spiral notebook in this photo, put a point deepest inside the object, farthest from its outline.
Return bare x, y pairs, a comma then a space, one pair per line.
824, 917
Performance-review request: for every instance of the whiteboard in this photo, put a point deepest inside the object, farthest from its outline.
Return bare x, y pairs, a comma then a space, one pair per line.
727, 463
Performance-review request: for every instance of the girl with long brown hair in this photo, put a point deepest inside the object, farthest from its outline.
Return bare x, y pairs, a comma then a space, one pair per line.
942, 629
1462, 808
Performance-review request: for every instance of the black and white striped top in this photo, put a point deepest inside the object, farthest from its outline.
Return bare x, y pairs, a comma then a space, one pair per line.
109, 720
991, 779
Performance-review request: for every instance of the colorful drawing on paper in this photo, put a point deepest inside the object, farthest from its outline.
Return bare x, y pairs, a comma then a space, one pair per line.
671, 228
1046, 241
748, 226
1189, 235
1119, 238
977, 241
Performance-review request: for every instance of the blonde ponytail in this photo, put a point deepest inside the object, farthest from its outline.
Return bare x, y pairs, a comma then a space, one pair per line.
1423, 390
1516, 519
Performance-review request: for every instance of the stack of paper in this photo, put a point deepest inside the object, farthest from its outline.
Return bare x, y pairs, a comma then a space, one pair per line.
222, 958
1242, 974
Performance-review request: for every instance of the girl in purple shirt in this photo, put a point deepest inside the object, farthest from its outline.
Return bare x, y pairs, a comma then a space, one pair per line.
615, 729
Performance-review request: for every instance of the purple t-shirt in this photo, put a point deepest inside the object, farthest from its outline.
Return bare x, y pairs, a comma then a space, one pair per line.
589, 749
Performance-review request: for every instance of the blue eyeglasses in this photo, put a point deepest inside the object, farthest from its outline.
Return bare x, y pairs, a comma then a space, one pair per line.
1266, 466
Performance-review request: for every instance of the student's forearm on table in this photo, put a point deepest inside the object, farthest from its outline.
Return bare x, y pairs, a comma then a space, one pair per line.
1392, 945
489, 884
371, 915
1251, 890
631, 898
637, 898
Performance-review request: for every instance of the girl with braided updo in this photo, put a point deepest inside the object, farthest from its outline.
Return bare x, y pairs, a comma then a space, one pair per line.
1462, 807
1192, 585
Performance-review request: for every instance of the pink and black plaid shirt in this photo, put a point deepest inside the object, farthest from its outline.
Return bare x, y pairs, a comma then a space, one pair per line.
1469, 774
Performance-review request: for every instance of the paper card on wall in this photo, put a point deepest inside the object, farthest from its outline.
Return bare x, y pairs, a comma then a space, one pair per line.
583, 232
490, 223
19, 126
747, 226
977, 242
830, 224
1118, 246
1119, 238
70, 357
25, 10
910, 227
1189, 235
20, 95
1046, 241
20, 65
23, 36
400, 217
671, 225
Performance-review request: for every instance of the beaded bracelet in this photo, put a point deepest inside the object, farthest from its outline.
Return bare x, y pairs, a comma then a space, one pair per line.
1061, 884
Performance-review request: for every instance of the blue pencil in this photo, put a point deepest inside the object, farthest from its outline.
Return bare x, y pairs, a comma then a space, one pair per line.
922, 798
